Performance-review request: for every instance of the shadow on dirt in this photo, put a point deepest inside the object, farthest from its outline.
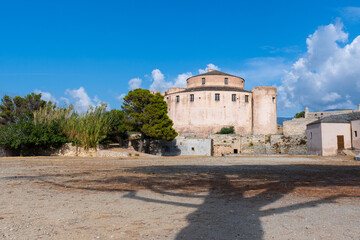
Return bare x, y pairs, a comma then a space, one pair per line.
234, 198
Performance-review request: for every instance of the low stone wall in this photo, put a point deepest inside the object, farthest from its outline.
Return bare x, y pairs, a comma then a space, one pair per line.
69, 150
258, 144
179, 146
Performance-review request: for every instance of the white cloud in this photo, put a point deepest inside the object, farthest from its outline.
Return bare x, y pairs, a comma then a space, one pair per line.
134, 83
159, 83
330, 97
121, 97
180, 81
327, 76
209, 66
80, 99
46, 96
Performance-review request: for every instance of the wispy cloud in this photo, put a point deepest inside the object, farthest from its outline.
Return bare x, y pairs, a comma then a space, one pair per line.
209, 66
46, 96
77, 97
351, 13
134, 83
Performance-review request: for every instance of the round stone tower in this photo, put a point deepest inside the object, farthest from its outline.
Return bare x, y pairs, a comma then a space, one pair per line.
264, 110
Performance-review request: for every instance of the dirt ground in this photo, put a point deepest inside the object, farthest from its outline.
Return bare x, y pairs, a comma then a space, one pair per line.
180, 198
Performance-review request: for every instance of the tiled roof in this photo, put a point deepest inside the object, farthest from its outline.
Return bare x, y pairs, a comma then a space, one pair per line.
340, 118
215, 72
211, 88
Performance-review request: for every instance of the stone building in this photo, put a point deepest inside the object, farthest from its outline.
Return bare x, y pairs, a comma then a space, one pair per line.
297, 126
216, 99
331, 134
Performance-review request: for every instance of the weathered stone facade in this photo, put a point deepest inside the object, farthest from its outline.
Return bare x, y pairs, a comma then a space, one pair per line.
215, 99
297, 126
258, 144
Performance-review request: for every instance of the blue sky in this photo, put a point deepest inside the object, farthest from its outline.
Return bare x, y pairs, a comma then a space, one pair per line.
84, 52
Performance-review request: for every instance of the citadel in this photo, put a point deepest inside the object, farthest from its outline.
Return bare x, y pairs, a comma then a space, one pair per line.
215, 99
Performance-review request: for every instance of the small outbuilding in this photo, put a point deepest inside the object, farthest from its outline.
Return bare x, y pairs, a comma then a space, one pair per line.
332, 134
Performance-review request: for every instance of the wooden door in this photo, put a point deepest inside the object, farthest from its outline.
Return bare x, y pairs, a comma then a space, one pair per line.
340, 142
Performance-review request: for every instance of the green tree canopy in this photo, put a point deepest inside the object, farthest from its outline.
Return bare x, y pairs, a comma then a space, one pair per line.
12, 109
300, 115
147, 113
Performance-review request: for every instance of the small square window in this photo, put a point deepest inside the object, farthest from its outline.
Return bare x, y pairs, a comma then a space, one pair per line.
192, 97
233, 97
177, 98
203, 81
246, 98
217, 97
226, 81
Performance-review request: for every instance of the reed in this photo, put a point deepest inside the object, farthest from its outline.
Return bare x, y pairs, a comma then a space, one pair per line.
85, 130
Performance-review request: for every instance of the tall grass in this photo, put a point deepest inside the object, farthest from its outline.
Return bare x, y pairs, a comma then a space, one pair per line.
85, 130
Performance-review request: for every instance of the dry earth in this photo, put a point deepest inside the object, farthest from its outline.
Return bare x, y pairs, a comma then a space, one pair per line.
180, 198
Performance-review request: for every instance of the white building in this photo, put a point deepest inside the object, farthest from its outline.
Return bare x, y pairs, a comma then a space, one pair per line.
331, 134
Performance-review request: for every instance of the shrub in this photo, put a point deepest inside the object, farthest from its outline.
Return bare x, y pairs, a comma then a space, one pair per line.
85, 130
25, 136
227, 130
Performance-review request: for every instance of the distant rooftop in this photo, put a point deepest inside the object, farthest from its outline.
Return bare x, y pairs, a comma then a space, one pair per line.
211, 72
340, 118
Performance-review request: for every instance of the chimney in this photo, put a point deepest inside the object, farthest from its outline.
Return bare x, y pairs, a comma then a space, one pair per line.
210, 70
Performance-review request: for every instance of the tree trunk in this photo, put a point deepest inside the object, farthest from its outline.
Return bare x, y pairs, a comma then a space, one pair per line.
141, 144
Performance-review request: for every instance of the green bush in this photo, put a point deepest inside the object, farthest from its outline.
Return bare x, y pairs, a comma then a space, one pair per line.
227, 130
25, 136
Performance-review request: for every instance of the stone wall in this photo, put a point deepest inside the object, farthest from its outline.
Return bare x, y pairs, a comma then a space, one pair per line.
179, 146
258, 144
296, 126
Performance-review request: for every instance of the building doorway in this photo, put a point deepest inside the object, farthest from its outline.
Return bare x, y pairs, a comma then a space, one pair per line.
340, 142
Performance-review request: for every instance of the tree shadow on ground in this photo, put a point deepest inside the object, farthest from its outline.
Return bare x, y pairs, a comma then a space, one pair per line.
234, 198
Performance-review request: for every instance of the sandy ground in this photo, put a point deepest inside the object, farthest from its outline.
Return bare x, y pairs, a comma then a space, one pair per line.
180, 198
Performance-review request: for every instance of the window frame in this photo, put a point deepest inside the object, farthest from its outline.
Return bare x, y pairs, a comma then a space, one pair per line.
226, 81
203, 81
177, 98
233, 97
192, 98
246, 98
217, 97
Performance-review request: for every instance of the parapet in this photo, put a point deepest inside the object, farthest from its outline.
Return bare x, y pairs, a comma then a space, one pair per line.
173, 90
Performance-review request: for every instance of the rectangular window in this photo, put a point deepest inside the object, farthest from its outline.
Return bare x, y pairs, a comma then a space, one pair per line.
217, 97
226, 81
310, 135
191, 97
233, 97
355, 133
273, 99
203, 81
177, 98
246, 98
